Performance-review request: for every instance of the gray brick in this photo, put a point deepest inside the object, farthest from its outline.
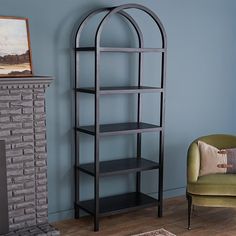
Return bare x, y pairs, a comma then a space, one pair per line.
29, 171
40, 149
23, 218
27, 96
28, 110
39, 103
23, 158
4, 104
8, 146
39, 124
18, 212
22, 118
24, 205
30, 197
14, 173
10, 126
41, 169
21, 104
23, 191
41, 195
40, 163
30, 223
22, 131
10, 97
41, 116
8, 111
14, 166
41, 214
42, 220
40, 136
4, 133
28, 151
3, 92
24, 178
21, 91
29, 184
41, 156
13, 139
29, 164
40, 129
29, 210
40, 143
25, 145
15, 199
4, 119
9, 194
39, 109
41, 182
28, 138
42, 188
14, 153
42, 201
28, 125
16, 226
41, 176
38, 91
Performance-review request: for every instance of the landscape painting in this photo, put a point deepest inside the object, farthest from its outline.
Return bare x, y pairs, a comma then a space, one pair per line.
15, 53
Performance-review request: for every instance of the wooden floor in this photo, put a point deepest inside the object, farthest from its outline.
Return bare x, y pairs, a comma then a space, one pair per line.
205, 222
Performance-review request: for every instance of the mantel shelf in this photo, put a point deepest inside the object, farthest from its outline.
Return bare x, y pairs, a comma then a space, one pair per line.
120, 128
120, 49
120, 89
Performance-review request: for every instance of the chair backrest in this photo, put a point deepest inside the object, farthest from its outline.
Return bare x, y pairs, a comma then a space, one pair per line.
219, 140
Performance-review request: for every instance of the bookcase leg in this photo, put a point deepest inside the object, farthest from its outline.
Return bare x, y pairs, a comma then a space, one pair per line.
96, 223
160, 209
77, 212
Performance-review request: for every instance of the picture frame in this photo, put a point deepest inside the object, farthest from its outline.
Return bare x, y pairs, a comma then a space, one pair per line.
15, 49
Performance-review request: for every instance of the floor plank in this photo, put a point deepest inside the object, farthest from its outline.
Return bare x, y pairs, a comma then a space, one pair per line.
206, 221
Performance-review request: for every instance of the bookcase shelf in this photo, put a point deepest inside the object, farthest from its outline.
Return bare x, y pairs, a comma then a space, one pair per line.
118, 203
120, 166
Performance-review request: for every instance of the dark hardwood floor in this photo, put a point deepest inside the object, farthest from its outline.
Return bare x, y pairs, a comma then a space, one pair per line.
205, 222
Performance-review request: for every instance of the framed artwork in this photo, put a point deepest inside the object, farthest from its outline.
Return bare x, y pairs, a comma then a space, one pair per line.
15, 51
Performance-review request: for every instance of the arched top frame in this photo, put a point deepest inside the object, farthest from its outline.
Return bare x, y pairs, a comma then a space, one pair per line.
120, 10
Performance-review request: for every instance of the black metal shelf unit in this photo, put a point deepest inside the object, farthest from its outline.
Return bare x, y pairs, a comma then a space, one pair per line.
120, 203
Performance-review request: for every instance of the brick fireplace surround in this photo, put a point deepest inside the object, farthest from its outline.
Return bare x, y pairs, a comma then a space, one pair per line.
23, 128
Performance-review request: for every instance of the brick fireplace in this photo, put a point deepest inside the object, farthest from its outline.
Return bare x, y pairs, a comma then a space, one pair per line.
23, 128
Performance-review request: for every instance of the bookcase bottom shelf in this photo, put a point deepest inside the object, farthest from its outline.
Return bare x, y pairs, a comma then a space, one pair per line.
119, 203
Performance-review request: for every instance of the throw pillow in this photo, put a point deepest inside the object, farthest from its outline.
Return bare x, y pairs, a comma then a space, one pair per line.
214, 160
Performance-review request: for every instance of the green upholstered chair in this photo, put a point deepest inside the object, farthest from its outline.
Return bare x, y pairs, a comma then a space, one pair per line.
216, 190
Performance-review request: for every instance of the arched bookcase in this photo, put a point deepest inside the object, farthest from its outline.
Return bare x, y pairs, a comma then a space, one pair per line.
130, 201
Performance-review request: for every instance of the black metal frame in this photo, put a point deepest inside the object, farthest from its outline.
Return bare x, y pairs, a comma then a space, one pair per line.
137, 127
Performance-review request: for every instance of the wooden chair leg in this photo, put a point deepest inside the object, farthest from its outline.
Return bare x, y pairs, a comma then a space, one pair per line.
189, 210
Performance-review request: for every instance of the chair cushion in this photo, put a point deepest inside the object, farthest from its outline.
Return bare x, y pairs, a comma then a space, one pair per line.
215, 161
214, 185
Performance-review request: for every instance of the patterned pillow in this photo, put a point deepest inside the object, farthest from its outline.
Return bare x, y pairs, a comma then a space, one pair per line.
214, 160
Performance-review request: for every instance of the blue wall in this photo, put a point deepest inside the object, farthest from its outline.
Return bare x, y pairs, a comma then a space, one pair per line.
200, 87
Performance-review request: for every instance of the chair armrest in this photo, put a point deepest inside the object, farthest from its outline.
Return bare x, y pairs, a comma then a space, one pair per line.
193, 163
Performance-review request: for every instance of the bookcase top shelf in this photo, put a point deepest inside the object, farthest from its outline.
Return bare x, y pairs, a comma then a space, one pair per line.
120, 49
120, 89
